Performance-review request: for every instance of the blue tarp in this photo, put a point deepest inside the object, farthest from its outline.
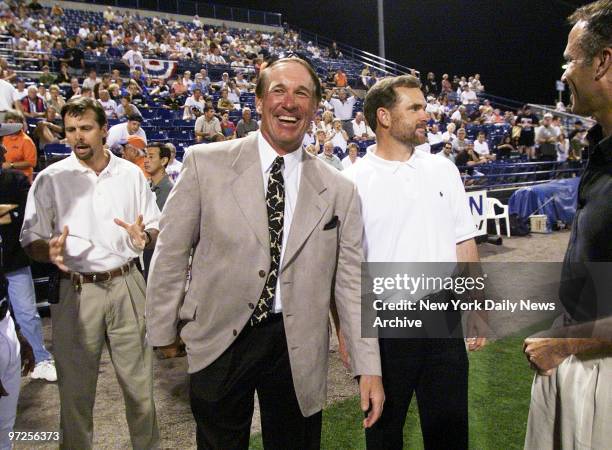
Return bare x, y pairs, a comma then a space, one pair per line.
527, 200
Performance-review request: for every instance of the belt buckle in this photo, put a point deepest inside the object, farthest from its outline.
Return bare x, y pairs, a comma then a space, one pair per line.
94, 277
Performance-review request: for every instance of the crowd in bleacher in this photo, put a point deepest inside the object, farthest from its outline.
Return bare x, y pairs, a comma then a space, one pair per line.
207, 93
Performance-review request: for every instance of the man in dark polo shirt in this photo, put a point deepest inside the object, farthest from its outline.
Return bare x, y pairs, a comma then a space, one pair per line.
570, 401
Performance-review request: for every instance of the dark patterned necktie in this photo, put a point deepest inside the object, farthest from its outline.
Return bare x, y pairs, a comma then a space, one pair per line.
275, 202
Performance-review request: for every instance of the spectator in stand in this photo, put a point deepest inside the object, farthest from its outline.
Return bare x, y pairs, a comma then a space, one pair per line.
108, 104
459, 116
74, 89
227, 126
215, 58
91, 80
527, 120
320, 140
20, 149
338, 137
309, 138
505, 149
433, 108
468, 96
446, 86
126, 108
563, 148
329, 157
194, 105
434, 136
481, 147
447, 152
173, 101
477, 86
108, 14
63, 77
311, 149
178, 87
202, 81
224, 102
352, 157
467, 159
208, 128
50, 130
55, 98
246, 125
340, 79
328, 119
461, 142
547, 138
173, 169
74, 57
361, 130
187, 81
334, 52
431, 85
120, 132
343, 105
20, 91
133, 58
134, 151
46, 77
137, 94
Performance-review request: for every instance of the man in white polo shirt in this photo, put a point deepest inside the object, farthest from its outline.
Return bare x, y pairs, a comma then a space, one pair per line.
415, 210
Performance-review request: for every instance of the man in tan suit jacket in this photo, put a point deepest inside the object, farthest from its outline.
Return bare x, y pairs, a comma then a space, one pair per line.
221, 207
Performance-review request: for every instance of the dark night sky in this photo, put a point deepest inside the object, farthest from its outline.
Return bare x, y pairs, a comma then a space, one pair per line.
515, 45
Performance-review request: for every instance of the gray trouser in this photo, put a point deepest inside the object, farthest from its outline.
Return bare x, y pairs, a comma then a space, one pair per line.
83, 321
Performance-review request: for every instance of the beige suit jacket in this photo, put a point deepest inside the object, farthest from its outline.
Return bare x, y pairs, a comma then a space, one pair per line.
218, 207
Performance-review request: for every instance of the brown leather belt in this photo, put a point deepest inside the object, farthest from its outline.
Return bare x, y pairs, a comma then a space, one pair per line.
96, 277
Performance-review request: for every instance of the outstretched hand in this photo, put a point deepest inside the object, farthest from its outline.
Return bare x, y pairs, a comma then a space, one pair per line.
56, 249
136, 231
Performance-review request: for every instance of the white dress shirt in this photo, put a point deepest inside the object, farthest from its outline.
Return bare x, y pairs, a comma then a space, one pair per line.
343, 111
68, 193
292, 173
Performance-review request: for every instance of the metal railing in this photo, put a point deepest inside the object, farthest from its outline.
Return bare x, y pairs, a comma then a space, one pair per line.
367, 59
568, 119
192, 8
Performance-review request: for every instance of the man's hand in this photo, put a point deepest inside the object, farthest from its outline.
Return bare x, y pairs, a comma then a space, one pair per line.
372, 398
56, 249
136, 231
545, 354
27, 355
476, 331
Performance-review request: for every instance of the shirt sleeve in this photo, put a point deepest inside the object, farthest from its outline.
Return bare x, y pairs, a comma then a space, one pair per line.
39, 217
29, 152
465, 228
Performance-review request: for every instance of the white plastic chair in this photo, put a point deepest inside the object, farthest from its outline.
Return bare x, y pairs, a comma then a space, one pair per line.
491, 204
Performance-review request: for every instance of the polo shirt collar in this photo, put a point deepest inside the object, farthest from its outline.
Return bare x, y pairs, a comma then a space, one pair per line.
111, 167
392, 166
267, 155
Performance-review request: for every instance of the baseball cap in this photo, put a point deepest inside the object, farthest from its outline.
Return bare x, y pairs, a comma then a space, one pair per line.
10, 128
136, 141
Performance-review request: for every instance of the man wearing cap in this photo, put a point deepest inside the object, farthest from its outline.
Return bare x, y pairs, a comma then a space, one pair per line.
134, 152
91, 215
121, 131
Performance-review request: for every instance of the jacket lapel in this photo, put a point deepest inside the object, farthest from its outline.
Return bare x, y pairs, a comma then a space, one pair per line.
248, 192
309, 209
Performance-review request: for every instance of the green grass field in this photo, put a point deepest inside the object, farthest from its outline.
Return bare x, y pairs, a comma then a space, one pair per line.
499, 393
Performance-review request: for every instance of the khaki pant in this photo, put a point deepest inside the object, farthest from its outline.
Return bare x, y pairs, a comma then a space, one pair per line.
572, 409
111, 313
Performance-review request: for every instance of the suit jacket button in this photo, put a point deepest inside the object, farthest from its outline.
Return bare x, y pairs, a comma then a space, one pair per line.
235, 333
251, 305
262, 273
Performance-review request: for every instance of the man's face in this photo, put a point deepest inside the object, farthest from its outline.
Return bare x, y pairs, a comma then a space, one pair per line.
434, 128
342, 95
448, 148
579, 75
104, 96
133, 126
196, 94
209, 114
461, 134
408, 117
481, 138
352, 151
328, 148
153, 163
246, 114
287, 106
359, 117
84, 135
32, 93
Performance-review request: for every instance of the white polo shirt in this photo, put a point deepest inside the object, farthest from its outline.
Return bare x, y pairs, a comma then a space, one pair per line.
413, 211
481, 148
343, 111
69, 193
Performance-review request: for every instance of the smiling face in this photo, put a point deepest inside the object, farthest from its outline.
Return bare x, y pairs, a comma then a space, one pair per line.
84, 134
579, 74
287, 106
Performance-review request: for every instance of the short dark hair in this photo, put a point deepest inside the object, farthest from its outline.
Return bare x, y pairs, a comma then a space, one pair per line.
208, 108
262, 81
135, 116
164, 150
76, 107
598, 30
383, 95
